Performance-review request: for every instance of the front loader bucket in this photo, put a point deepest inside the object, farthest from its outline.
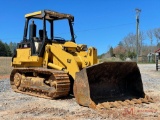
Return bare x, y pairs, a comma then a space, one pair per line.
108, 82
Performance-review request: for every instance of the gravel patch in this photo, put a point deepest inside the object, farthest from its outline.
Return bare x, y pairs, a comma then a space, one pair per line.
18, 106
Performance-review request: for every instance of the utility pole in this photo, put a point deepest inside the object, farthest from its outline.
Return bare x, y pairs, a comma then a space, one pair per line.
137, 31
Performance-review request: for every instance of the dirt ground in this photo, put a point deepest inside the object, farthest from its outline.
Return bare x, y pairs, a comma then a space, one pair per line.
5, 66
18, 106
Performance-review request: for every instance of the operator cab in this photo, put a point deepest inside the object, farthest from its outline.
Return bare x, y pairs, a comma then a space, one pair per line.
42, 27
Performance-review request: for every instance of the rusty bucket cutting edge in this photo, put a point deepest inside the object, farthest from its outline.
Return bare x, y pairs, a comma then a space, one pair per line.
108, 82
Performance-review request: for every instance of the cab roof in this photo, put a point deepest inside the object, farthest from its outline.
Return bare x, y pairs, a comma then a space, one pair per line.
49, 15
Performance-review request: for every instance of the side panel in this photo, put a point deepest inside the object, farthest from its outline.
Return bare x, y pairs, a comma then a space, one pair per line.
24, 59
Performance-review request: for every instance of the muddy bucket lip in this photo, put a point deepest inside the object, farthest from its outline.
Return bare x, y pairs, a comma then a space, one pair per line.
86, 89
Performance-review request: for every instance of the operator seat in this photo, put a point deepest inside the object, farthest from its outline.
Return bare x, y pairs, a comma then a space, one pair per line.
38, 43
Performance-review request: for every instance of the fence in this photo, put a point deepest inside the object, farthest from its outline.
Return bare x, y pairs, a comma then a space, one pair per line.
143, 59
157, 63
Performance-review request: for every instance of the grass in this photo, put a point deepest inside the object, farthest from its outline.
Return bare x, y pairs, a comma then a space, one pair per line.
5, 66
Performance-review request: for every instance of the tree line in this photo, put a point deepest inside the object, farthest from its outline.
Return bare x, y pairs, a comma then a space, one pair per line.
7, 50
129, 41
148, 42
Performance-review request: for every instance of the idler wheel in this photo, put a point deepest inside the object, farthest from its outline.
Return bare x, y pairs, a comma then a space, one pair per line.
17, 79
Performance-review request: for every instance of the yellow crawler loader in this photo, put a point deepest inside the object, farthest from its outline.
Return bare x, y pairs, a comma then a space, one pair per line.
52, 67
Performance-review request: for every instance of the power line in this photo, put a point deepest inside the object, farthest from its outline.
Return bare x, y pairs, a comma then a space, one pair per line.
114, 26
10, 39
106, 27
76, 31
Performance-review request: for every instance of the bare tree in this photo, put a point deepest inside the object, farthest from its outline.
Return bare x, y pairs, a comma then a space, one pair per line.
150, 36
129, 42
156, 32
141, 39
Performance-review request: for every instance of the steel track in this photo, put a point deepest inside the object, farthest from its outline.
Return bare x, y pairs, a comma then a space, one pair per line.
60, 78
